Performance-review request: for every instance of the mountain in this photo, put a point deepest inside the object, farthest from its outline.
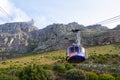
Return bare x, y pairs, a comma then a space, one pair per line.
117, 28
97, 27
14, 37
75, 25
59, 36
24, 37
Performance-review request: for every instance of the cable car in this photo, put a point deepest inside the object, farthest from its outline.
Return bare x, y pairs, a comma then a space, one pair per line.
76, 53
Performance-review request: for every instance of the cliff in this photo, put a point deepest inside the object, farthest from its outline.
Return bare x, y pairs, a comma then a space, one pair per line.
23, 37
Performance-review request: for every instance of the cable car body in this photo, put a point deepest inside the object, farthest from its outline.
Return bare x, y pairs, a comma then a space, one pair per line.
76, 53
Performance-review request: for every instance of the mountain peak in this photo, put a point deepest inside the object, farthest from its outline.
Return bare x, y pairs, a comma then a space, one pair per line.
97, 27
117, 28
16, 27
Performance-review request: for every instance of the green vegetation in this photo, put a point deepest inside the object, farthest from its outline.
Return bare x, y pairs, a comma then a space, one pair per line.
52, 65
69, 66
91, 76
106, 77
117, 78
75, 74
39, 72
104, 59
59, 68
6, 77
104, 49
35, 72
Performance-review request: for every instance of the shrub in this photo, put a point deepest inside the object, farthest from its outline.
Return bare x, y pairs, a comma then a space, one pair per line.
47, 67
34, 72
106, 77
91, 76
50, 75
4, 63
7, 77
59, 68
117, 78
60, 60
115, 75
17, 62
69, 66
75, 74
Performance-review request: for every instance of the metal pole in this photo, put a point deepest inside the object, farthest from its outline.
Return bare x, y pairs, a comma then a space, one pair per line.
78, 38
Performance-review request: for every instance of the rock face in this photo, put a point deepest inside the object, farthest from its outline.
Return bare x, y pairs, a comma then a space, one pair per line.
59, 36
54, 37
97, 27
14, 37
23, 37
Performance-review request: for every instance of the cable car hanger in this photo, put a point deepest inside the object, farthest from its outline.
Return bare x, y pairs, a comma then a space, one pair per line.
76, 53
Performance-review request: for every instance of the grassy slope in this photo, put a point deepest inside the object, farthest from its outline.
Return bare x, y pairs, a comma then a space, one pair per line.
105, 49
56, 56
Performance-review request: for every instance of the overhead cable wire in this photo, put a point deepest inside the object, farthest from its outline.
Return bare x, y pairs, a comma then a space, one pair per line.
111, 20
5, 12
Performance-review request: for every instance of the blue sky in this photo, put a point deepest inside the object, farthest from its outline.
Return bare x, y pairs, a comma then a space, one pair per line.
45, 12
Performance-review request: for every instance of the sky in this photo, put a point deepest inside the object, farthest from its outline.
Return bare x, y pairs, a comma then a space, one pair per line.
46, 12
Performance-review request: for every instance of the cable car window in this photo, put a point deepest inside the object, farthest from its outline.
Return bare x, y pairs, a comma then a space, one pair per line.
71, 49
77, 49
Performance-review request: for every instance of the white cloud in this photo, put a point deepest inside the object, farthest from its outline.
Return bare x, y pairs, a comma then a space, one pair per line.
19, 15
7, 6
10, 13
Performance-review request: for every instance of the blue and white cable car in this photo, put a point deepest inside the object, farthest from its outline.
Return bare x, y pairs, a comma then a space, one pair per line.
76, 53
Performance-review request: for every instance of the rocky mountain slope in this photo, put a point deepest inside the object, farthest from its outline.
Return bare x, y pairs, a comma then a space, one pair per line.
23, 37
117, 28
14, 37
